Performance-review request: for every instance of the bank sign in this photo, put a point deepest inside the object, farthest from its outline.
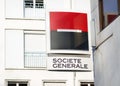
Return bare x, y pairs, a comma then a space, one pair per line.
68, 31
69, 63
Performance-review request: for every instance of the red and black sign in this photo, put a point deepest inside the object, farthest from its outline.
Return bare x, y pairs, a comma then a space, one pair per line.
68, 30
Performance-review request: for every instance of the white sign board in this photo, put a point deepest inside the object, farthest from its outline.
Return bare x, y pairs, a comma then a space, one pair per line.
69, 63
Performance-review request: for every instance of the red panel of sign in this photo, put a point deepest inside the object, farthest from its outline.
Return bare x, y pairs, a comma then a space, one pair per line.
68, 20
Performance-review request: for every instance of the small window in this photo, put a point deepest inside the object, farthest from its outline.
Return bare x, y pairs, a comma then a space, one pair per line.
34, 4
39, 4
87, 84
17, 83
108, 11
28, 3
54, 84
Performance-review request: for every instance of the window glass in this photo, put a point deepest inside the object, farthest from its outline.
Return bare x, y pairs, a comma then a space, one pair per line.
35, 43
34, 4
28, 3
92, 84
35, 50
84, 84
109, 10
22, 84
11, 84
19, 83
39, 4
87, 84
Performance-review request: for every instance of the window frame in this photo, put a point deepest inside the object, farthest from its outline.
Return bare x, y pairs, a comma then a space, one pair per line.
34, 4
86, 81
37, 53
17, 81
102, 19
53, 81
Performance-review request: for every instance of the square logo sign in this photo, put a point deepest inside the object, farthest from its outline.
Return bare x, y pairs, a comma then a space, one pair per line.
68, 31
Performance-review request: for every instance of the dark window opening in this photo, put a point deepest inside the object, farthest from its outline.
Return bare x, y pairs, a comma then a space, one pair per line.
28, 3
34, 4
87, 84
19, 83
108, 11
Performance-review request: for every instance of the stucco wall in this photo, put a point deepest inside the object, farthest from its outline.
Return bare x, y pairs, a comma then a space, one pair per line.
15, 21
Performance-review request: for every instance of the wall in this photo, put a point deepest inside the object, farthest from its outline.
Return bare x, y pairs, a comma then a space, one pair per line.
11, 17
14, 10
26, 24
2, 11
37, 77
107, 56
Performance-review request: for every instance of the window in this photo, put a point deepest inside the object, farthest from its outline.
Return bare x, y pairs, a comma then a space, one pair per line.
54, 84
87, 84
28, 3
34, 9
35, 49
17, 83
34, 4
108, 11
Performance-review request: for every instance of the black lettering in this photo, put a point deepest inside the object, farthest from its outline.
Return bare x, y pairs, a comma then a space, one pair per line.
54, 65
75, 60
59, 66
59, 60
79, 60
73, 65
64, 65
86, 66
70, 61
54, 60
68, 65
65, 60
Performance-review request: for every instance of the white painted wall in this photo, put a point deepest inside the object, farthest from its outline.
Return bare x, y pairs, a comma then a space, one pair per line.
16, 53
107, 56
2, 10
14, 8
25, 24
34, 13
35, 43
58, 4
81, 5
14, 49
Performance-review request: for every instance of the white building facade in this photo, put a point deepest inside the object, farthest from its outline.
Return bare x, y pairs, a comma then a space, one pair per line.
26, 56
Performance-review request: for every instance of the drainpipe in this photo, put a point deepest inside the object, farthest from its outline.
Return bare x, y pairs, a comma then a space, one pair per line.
74, 78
